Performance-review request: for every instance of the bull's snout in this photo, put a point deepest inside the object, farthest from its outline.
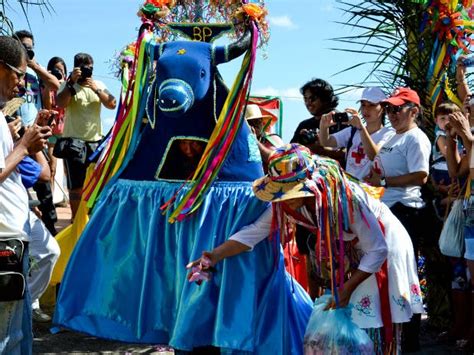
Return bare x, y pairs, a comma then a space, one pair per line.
175, 97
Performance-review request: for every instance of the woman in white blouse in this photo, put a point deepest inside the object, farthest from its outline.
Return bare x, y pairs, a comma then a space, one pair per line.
361, 140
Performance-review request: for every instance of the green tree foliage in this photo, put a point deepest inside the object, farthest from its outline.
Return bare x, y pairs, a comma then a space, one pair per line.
398, 53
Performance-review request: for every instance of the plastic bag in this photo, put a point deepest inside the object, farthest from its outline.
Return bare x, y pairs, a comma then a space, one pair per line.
333, 332
451, 240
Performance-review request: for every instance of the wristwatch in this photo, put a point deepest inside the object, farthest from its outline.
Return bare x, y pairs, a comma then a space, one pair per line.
98, 91
383, 182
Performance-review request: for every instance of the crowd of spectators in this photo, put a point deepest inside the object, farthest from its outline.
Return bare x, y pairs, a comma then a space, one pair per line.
397, 155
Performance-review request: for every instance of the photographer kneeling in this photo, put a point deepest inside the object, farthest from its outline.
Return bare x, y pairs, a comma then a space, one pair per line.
362, 141
82, 97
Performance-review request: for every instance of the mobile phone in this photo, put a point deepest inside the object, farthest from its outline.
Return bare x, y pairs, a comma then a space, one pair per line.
21, 132
52, 118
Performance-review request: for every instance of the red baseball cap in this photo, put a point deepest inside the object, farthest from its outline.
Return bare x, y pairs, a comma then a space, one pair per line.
401, 96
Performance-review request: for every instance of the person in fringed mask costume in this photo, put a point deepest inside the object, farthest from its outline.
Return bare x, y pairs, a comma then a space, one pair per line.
352, 227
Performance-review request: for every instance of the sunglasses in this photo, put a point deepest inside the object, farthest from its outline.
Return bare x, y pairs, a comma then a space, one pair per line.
394, 110
19, 74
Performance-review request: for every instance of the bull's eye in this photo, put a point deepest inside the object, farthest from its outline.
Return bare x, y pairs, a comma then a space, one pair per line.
162, 101
203, 73
174, 102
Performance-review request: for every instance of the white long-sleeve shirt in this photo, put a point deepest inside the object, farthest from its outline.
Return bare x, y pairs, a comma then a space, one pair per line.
371, 244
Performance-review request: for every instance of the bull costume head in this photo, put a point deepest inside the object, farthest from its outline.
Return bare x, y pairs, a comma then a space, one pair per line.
183, 105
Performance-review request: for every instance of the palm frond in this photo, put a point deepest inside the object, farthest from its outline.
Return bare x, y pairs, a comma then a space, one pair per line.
388, 36
6, 25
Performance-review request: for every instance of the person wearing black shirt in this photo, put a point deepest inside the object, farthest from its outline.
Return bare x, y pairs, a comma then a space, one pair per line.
319, 98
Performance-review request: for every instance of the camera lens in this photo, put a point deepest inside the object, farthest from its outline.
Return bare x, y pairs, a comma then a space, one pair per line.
31, 53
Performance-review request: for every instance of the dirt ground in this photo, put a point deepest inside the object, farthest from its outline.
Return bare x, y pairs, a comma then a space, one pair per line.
68, 342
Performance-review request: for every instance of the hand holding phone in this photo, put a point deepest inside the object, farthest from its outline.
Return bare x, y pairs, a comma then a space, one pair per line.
52, 119
46, 118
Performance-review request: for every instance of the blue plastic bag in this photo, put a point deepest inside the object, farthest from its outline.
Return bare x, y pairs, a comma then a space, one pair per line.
333, 332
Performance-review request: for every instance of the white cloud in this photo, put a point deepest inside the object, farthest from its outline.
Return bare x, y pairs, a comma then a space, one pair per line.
292, 94
287, 94
282, 21
268, 91
326, 8
107, 123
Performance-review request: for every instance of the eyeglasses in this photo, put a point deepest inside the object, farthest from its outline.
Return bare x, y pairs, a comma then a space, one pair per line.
19, 73
394, 110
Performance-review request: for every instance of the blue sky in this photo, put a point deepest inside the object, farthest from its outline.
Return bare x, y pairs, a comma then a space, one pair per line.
298, 49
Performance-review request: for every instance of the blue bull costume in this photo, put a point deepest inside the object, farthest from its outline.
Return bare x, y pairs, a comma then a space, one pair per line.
126, 279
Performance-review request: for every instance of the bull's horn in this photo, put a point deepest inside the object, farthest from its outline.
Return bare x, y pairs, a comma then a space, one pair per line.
238, 48
233, 50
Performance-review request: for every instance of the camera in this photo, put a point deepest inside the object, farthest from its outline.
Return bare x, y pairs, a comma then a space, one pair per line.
9, 119
341, 117
29, 52
86, 72
309, 136
57, 73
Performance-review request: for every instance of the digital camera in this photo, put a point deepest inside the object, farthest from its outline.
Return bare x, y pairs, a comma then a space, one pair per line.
309, 136
86, 72
29, 52
341, 117
57, 73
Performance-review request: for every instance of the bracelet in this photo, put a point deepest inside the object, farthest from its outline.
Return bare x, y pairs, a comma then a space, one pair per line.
70, 87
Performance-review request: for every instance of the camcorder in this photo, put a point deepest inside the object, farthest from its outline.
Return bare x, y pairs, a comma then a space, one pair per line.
86, 72
21, 132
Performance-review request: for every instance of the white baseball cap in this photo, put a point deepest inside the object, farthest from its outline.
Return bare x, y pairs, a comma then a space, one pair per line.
374, 95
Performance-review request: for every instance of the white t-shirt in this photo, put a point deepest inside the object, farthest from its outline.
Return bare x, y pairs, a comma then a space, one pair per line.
404, 153
33, 101
358, 163
13, 196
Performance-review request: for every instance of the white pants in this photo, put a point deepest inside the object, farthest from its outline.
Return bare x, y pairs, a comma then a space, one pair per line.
44, 252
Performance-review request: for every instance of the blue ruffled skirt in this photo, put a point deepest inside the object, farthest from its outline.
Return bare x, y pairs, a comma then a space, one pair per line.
126, 279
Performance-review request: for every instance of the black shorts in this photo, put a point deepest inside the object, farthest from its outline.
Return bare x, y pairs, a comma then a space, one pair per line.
76, 170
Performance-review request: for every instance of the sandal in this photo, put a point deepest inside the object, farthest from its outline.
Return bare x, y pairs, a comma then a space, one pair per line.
446, 337
464, 345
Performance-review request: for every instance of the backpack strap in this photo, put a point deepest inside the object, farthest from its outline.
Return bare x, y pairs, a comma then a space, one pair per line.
349, 143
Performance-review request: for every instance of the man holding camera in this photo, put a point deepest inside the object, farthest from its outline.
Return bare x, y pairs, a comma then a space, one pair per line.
34, 74
319, 98
82, 97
